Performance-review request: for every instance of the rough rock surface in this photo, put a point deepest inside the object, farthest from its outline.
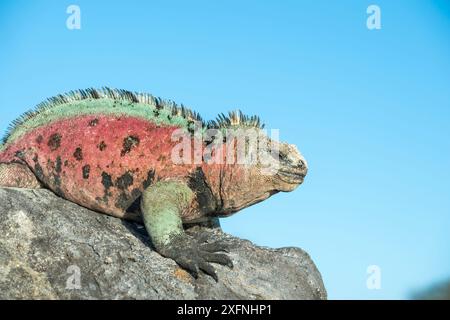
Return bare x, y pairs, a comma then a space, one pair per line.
53, 249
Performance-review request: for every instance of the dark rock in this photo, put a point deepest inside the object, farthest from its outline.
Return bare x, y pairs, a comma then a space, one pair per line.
46, 242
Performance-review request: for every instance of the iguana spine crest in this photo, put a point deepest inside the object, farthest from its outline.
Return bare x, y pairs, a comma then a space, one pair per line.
233, 119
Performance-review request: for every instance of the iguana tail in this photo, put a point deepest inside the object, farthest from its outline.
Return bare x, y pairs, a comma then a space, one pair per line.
18, 176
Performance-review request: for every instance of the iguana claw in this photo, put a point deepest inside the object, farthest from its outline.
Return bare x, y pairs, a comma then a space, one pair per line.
193, 256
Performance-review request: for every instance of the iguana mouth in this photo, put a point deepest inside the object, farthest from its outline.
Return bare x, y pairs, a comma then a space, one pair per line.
291, 177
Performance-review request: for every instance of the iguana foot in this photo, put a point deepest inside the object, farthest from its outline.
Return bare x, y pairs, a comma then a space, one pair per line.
193, 255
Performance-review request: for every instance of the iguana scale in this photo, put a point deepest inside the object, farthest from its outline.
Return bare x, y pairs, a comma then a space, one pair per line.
110, 150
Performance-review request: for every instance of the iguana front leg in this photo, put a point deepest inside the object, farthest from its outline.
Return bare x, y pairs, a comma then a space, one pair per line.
162, 205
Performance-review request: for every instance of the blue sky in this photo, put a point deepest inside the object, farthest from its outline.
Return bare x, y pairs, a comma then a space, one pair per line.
369, 109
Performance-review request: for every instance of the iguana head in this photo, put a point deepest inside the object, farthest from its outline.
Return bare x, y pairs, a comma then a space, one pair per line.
292, 168
282, 168
250, 184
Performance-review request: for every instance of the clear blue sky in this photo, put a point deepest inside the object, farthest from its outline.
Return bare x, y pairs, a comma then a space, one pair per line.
370, 111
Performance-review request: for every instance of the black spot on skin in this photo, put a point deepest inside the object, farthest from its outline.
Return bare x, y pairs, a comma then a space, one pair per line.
56, 185
102, 146
129, 203
58, 165
54, 176
123, 201
124, 181
86, 170
106, 180
78, 154
57, 182
20, 154
129, 143
150, 178
156, 113
54, 142
197, 182
66, 163
38, 171
107, 183
93, 122
39, 139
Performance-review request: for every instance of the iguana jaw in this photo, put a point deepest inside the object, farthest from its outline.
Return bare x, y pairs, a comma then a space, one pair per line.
294, 177
231, 210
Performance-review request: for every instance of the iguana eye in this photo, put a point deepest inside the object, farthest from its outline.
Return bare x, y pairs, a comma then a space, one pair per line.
283, 157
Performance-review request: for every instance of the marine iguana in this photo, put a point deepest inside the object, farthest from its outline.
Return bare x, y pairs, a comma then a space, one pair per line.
111, 151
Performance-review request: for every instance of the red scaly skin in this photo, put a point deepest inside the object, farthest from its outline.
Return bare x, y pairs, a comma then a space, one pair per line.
102, 162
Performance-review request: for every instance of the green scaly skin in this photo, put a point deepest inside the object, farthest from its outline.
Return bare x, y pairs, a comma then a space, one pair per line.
162, 205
